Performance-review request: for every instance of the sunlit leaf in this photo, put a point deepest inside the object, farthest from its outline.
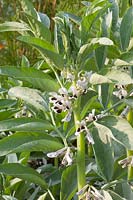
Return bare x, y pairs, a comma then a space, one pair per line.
25, 124
28, 142
33, 76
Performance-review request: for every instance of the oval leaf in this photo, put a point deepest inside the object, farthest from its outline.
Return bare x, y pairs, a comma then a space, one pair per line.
25, 124
38, 79
23, 172
126, 28
28, 142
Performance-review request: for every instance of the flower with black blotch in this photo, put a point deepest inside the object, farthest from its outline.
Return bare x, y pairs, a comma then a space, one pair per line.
66, 153
82, 127
121, 92
126, 162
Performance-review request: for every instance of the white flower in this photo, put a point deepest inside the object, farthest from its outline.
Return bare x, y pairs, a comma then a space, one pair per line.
63, 91
81, 127
55, 154
75, 92
91, 117
67, 160
126, 162
89, 137
67, 118
121, 93
82, 84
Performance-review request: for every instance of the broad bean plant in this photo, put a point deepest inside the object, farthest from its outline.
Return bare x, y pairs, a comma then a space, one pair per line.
66, 119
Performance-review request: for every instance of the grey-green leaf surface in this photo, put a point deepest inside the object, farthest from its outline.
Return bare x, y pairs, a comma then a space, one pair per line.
30, 96
68, 183
25, 124
28, 142
103, 151
23, 172
99, 79
126, 28
46, 49
38, 79
120, 128
119, 77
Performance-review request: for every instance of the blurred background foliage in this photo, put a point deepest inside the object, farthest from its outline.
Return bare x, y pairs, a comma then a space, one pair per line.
11, 50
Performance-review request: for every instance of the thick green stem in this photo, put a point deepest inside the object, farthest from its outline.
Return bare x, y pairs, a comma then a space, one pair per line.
80, 150
130, 152
130, 168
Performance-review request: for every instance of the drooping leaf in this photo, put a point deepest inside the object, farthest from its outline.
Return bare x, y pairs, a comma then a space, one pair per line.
103, 150
119, 77
30, 96
126, 24
99, 79
28, 142
46, 49
33, 76
120, 128
68, 188
23, 172
25, 124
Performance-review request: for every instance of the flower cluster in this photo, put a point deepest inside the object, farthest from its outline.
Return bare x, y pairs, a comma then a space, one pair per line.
90, 192
64, 99
121, 93
126, 162
66, 153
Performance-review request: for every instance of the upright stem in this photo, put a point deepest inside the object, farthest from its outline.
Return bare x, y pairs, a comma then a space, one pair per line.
130, 152
80, 149
130, 168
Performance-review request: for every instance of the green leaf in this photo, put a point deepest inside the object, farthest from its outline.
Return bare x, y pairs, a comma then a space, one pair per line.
25, 124
103, 150
129, 101
68, 188
126, 28
5, 114
47, 50
28, 142
30, 96
115, 14
7, 103
39, 29
38, 79
28, 8
120, 128
116, 196
23, 172
14, 26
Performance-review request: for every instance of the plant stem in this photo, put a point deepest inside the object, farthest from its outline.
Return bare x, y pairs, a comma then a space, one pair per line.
130, 152
80, 149
130, 168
